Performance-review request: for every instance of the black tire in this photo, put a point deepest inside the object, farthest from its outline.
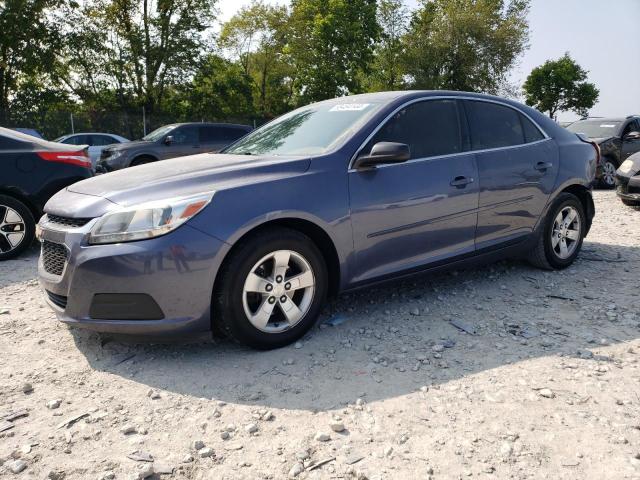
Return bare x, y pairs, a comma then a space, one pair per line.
631, 203
142, 161
608, 182
228, 312
543, 255
7, 250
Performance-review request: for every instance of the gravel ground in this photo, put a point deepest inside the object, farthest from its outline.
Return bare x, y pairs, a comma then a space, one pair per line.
548, 386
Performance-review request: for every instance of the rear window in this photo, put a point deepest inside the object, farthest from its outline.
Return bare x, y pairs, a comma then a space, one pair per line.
494, 126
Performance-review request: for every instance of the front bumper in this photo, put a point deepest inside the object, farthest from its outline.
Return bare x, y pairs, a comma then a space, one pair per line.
175, 271
628, 187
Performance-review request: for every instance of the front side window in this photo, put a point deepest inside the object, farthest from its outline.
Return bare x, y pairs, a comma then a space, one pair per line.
493, 125
430, 128
310, 130
185, 136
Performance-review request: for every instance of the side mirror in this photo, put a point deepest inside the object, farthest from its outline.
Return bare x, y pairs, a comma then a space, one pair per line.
629, 137
168, 140
384, 153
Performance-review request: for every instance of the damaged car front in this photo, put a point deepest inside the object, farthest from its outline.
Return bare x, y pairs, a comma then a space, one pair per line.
628, 181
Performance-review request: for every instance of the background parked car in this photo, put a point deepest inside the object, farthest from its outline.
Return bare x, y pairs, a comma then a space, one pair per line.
177, 140
628, 181
96, 142
618, 138
32, 170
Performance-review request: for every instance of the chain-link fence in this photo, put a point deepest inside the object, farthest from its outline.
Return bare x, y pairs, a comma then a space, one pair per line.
131, 124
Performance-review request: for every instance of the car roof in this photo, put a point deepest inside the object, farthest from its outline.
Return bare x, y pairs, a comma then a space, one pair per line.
210, 124
90, 133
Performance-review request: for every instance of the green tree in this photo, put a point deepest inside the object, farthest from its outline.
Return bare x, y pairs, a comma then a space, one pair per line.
387, 70
465, 45
28, 42
256, 37
331, 45
560, 85
137, 49
220, 90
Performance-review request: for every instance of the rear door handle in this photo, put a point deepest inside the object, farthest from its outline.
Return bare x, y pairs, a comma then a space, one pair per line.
461, 182
543, 166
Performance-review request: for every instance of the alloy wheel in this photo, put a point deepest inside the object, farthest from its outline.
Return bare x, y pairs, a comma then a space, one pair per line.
566, 232
279, 291
609, 174
12, 229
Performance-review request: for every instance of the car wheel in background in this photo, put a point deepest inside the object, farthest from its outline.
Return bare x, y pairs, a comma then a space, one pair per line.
562, 234
608, 176
271, 289
142, 161
17, 227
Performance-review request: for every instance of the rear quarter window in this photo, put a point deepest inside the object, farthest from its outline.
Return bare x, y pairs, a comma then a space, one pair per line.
493, 125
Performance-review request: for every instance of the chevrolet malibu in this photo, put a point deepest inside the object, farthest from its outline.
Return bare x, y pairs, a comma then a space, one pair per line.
330, 197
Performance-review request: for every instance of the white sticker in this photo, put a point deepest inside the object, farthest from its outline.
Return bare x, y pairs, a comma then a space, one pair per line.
606, 125
349, 107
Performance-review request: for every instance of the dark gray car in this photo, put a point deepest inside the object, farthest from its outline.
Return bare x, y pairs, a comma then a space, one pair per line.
170, 141
330, 197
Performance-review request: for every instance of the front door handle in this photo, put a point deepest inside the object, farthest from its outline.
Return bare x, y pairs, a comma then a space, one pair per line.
461, 182
543, 166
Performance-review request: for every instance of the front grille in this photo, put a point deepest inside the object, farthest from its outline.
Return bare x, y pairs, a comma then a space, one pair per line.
67, 221
54, 257
59, 300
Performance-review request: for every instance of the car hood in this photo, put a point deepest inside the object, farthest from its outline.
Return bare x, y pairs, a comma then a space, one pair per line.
170, 178
129, 145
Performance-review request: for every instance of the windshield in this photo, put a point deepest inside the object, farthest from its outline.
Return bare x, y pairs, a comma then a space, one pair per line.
310, 130
596, 128
158, 133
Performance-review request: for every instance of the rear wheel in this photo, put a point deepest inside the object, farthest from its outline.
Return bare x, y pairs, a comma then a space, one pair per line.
17, 227
562, 234
608, 177
271, 289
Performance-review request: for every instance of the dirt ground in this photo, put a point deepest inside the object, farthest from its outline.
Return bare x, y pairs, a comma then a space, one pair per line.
548, 386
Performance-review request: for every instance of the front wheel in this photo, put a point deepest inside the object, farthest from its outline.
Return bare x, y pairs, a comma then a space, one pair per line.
562, 234
271, 289
608, 178
17, 227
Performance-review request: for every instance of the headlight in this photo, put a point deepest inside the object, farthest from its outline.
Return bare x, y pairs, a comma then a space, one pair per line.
147, 220
115, 155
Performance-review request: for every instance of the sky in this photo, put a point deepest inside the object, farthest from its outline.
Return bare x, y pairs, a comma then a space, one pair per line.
603, 36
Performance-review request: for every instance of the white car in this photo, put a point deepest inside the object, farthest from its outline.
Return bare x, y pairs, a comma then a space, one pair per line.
96, 142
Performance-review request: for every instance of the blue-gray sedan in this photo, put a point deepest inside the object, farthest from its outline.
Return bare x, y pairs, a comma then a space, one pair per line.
327, 198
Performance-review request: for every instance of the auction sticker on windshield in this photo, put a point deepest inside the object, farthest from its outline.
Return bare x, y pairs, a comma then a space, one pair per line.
349, 107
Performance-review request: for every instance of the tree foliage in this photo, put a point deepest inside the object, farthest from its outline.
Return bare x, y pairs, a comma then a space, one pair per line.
331, 45
468, 45
28, 43
560, 85
387, 72
107, 61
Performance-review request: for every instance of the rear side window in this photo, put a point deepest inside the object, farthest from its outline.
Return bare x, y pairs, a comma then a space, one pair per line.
493, 125
7, 143
430, 128
101, 140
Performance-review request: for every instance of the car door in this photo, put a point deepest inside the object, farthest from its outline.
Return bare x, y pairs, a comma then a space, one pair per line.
517, 166
630, 146
423, 211
184, 141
